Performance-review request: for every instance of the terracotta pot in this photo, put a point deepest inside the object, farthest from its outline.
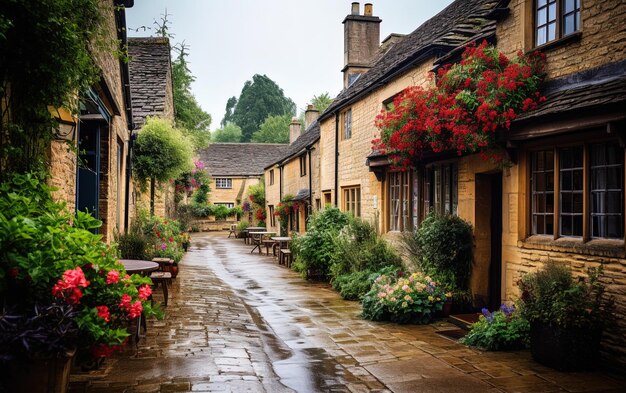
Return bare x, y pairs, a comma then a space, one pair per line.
174, 270
45, 375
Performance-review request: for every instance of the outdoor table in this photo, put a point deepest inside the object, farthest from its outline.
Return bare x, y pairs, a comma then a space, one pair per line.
138, 266
283, 242
251, 229
257, 237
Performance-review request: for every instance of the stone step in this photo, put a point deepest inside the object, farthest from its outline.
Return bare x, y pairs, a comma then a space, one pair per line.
464, 320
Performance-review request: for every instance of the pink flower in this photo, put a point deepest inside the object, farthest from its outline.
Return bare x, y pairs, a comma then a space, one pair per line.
67, 287
125, 301
135, 309
144, 292
113, 277
103, 312
163, 246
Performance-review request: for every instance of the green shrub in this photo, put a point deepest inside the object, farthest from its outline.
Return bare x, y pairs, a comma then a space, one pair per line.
442, 247
503, 329
401, 299
220, 212
314, 251
132, 245
354, 286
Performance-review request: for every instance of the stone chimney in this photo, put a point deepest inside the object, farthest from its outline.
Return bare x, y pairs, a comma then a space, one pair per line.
390, 41
294, 129
310, 115
361, 42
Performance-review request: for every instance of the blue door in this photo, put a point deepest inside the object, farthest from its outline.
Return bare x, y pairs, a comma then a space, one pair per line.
88, 177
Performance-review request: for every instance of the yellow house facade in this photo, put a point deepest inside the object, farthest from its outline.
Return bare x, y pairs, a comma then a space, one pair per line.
563, 197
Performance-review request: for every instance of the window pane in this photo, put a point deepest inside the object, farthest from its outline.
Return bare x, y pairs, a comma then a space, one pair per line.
541, 16
566, 225
541, 35
549, 203
569, 5
541, 3
551, 31
578, 226
614, 202
549, 224
566, 203
597, 225
577, 203
607, 205
614, 227
566, 180
569, 24
552, 12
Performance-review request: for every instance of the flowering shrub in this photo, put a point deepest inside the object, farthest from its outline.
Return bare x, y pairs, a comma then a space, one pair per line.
195, 181
166, 238
469, 102
50, 258
502, 329
412, 299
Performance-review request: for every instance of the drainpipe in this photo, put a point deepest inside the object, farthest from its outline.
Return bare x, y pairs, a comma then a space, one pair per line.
336, 158
120, 16
280, 182
310, 180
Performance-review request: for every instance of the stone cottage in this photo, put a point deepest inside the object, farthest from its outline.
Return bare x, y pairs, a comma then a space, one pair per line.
101, 135
152, 95
296, 174
563, 197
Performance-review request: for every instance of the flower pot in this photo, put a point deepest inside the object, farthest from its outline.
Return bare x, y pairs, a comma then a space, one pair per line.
45, 375
447, 308
174, 270
571, 349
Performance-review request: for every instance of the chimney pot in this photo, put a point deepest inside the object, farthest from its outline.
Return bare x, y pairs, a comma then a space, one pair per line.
356, 8
310, 115
369, 9
294, 129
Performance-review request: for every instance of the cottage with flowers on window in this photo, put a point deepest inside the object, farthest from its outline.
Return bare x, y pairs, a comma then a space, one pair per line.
507, 113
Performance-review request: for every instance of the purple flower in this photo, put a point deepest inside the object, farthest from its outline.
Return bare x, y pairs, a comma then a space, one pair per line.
507, 310
487, 315
199, 165
163, 246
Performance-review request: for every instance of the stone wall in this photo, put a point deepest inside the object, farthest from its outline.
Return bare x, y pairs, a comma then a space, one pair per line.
63, 172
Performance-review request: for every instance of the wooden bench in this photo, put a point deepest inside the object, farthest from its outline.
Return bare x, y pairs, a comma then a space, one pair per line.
270, 243
166, 265
284, 257
161, 278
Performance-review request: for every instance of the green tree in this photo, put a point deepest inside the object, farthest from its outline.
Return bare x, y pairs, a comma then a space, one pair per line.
230, 106
275, 129
230, 133
160, 153
322, 101
259, 99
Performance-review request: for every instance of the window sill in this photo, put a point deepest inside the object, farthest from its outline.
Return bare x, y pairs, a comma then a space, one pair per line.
595, 247
574, 37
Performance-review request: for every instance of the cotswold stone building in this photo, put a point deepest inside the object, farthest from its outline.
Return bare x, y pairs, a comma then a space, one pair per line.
101, 134
563, 197
234, 167
296, 174
152, 95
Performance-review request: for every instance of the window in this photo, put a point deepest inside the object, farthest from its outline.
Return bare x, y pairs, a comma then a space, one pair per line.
352, 200
399, 201
229, 205
303, 165
347, 124
440, 188
318, 204
589, 183
327, 198
555, 19
271, 177
223, 183
272, 218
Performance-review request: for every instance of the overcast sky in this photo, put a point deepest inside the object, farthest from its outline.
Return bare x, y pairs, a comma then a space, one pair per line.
296, 43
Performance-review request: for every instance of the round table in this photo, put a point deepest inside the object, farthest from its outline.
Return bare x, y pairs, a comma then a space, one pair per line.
138, 266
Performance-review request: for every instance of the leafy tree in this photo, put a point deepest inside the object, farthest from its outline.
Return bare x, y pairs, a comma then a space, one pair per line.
188, 113
275, 129
259, 99
230, 133
322, 101
161, 153
46, 58
230, 106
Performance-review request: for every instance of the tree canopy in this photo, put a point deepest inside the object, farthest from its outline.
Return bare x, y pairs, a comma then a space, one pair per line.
230, 133
275, 129
261, 97
194, 121
322, 101
230, 106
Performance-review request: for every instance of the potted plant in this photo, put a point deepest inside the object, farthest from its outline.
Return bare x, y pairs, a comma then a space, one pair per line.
61, 287
566, 316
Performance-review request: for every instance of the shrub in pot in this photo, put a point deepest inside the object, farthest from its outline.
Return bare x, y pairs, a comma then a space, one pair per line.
566, 316
503, 329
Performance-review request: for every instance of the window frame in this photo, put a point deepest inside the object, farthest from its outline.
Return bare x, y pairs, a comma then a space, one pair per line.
587, 143
219, 183
400, 188
228, 205
271, 177
302, 159
346, 124
271, 214
351, 201
559, 21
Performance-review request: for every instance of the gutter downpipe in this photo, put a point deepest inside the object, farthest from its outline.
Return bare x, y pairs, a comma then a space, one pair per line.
280, 183
120, 14
310, 182
336, 159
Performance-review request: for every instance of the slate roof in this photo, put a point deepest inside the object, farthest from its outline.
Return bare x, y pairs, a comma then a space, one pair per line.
461, 22
594, 88
307, 139
149, 68
240, 159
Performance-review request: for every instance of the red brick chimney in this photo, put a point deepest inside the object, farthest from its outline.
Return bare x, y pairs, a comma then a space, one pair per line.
361, 42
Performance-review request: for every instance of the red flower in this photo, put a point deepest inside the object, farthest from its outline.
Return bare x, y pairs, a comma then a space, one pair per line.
135, 309
103, 312
113, 277
67, 287
171, 239
144, 292
125, 301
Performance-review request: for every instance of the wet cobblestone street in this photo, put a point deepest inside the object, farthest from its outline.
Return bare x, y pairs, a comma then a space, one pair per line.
239, 322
